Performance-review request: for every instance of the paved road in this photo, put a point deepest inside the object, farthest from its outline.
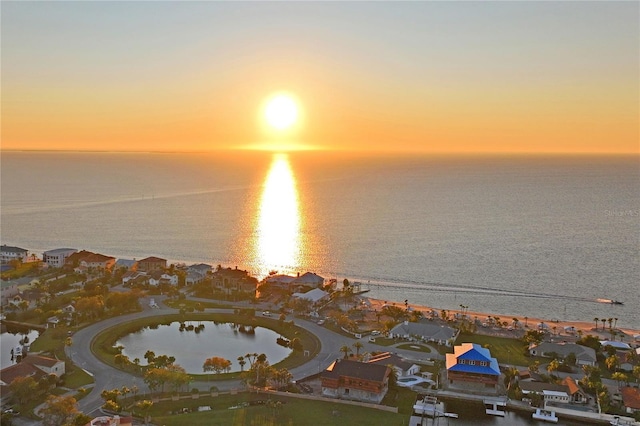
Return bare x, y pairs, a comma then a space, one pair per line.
107, 377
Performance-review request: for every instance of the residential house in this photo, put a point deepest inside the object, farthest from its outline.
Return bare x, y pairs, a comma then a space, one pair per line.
471, 367
34, 366
130, 277
46, 364
314, 296
627, 360
197, 273
575, 391
425, 330
291, 283
234, 280
98, 261
73, 260
11, 253
158, 277
622, 346
402, 367
111, 421
8, 290
309, 279
150, 264
9, 374
194, 277
360, 381
280, 281
126, 264
630, 399
584, 355
202, 268
568, 391
56, 258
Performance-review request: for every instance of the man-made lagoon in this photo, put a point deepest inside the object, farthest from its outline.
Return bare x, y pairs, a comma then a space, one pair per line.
192, 342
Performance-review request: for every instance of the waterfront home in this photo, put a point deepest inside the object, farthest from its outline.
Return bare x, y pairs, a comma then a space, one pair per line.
201, 268
314, 296
471, 367
425, 330
126, 264
150, 264
34, 366
354, 380
11, 253
56, 258
402, 367
630, 399
291, 283
234, 281
98, 261
584, 355
46, 364
568, 391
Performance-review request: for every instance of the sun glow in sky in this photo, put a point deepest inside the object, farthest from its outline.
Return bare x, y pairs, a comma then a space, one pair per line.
281, 112
459, 77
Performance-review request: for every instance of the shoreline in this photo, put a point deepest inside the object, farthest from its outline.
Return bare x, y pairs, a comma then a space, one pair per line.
525, 322
587, 327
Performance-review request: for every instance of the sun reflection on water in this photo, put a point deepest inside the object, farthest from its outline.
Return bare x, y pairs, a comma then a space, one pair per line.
278, 245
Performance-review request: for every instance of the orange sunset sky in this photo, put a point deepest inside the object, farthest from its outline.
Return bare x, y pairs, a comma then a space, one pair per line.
413, 76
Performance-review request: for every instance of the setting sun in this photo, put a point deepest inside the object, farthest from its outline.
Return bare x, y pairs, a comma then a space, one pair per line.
281, 112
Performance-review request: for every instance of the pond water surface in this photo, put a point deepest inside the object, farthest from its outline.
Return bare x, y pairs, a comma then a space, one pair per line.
191, 347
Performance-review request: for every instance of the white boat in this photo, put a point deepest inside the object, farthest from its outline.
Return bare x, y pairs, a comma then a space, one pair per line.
430, 407
545, 415
495, 407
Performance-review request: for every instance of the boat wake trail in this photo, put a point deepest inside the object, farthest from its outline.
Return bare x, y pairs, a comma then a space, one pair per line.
391, 285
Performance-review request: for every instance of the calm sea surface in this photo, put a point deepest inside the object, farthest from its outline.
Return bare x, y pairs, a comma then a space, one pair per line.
536, 236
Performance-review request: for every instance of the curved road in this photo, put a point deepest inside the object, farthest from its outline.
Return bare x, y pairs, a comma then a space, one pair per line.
107, 377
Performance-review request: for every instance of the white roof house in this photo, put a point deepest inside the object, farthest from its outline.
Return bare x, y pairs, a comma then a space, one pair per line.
425, 330
314, 295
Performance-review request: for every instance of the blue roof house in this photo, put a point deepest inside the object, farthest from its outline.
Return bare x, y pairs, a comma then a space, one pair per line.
471, 367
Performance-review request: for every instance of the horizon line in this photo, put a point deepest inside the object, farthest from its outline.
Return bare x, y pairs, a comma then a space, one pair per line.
325, 150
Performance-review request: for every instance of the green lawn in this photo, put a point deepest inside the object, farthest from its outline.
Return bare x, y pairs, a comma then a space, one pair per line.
415, 347
293, 411
507, 351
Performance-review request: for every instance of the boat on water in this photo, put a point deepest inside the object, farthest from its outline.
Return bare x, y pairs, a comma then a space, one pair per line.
495, 407
545, 415
617, 302
428, 406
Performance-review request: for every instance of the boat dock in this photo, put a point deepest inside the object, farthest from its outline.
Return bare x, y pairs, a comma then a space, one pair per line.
495, 407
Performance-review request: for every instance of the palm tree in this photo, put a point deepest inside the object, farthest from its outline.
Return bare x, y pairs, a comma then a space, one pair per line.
610, 321
603, 321
553, 366
526, 319
596, 319
358, 346
515, 323
615, 324
346, 350
242, 362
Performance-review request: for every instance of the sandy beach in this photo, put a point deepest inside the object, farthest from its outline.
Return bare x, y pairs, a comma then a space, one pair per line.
530, 322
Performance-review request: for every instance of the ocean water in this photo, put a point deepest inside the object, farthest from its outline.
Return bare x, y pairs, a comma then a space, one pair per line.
540, 236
